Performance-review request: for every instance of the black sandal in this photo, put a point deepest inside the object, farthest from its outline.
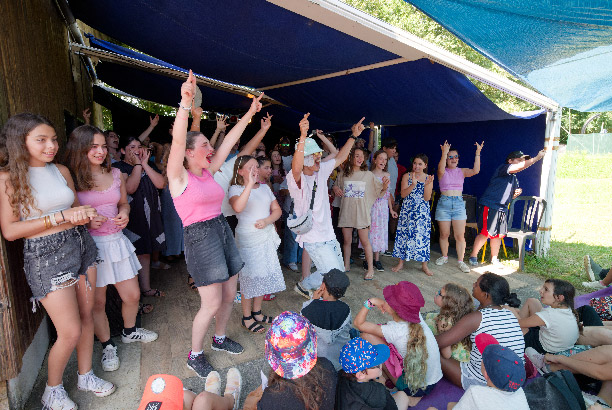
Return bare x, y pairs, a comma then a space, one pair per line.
191, 283
266, 319
255, 326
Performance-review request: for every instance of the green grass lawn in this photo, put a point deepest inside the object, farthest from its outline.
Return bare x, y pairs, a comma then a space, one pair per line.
582, 218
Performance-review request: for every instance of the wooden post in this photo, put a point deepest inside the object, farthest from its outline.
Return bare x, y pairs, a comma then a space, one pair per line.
547, 181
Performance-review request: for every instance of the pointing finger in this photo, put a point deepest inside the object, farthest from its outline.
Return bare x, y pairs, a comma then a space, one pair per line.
361, 120
260, 97
306, 115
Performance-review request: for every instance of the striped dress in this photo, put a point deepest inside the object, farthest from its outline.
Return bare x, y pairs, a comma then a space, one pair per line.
503, 326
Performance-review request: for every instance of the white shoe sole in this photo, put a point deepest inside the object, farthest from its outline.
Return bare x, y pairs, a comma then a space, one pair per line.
587, 268
101, 394
111, 368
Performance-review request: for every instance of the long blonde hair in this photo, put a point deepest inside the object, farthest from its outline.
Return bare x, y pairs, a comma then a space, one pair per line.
456, 303
415, 362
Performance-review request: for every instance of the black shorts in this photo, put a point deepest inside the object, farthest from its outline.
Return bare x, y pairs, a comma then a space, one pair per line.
210, 252
492, 223
532, 339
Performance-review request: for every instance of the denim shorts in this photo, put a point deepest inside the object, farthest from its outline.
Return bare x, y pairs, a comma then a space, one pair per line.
55, 261
210, 252
451, 208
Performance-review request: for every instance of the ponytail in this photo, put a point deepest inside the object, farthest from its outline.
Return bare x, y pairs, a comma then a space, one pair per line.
415, 362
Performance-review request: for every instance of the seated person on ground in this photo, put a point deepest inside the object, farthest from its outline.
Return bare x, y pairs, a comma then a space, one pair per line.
330, 317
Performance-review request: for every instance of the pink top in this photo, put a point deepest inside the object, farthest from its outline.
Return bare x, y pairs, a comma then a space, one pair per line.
105, 203
201, 200
452, 180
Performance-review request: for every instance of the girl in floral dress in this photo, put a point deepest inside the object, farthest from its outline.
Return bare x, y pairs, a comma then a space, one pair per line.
379, 230
414, 226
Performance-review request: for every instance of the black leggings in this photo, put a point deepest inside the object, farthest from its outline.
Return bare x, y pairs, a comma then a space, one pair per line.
588, 316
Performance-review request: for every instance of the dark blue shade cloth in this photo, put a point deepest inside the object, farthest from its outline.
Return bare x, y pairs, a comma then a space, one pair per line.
561, 48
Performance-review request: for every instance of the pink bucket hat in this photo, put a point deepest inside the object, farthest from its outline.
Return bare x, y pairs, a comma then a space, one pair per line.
406, 299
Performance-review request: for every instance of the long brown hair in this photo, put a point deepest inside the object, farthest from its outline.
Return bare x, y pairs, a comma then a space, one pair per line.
456, 303
75, 157
241, 161
309, 389
373, 164
15, 159
190, 140
348, 165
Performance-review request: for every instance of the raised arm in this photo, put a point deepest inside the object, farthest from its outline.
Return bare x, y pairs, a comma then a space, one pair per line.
249, 147
233, 136
333, 151
465, 326
217, 138
442, 164
360, 322
356, 129
157, 178
196, 115
153, 121
371, 140
471, 172
514, 168
176, 172
297, 164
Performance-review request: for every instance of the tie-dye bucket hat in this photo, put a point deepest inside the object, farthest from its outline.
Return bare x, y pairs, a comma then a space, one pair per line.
291, 345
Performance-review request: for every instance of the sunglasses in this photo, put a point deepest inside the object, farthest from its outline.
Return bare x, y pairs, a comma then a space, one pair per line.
453, 156
284, 145
439, 293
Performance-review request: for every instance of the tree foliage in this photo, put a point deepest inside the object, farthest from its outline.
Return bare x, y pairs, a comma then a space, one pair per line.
407, 17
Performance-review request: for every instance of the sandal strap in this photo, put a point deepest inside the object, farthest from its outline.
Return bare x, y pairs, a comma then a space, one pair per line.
255, 326
266, 319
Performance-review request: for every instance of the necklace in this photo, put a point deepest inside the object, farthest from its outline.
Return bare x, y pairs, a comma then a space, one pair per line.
488, 306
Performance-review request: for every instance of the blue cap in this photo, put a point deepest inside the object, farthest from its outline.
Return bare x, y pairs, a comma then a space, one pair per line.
505, 369
359, 354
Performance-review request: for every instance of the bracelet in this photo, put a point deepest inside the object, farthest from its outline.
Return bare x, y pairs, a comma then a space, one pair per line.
137, 165
47, 222
182, 107
367, 304
52, 219
63, 217
353, 137
299, 150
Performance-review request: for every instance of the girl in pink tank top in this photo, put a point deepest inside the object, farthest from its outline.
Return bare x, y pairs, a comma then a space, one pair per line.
213, 261
451, 208
103, 188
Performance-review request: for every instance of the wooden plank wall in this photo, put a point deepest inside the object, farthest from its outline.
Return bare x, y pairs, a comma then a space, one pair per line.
36, 75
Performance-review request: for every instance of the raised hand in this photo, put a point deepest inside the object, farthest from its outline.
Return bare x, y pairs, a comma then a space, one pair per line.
154, 120
319, 133
386, 182
87, 116
253, 176
144, 156
429, 179
358, 128
97, 221
196, 112
221, 122
304, 124
121, 220
188, 89
266, 122
445, 148
413, 179
479, 147
256, 104
541, 153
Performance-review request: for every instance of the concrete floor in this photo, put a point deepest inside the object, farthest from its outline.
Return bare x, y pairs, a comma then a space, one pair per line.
173, 315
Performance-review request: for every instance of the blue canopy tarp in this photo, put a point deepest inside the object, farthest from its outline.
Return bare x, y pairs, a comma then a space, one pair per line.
562, 48
261, 45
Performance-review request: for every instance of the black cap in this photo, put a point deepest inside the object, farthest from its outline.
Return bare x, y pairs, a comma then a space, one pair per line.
517, 154
335, 278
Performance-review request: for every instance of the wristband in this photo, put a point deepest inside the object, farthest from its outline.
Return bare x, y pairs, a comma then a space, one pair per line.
52, 219
182, 107
353, 137
137, 165
367, 304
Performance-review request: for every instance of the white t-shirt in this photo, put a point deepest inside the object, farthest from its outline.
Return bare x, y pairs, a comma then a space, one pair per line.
258, 205
397, 333
322, 229
223, 177
560, 331
487, 398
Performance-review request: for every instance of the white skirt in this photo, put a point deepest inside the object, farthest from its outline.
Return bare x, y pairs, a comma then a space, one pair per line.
119, 262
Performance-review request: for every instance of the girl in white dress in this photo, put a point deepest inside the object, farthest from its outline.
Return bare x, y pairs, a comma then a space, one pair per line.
257, 241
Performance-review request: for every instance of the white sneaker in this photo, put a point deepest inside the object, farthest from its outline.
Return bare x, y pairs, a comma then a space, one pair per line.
139, 335
593, 285
497, 263
91, 382
56, 398
463, 266
442, 260
110, 360
233, 385
538, 360
213, 383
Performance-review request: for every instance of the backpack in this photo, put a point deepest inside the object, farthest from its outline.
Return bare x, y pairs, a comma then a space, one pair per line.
556, 390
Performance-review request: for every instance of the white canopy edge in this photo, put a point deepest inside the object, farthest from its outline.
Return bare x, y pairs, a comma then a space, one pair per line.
360, 25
